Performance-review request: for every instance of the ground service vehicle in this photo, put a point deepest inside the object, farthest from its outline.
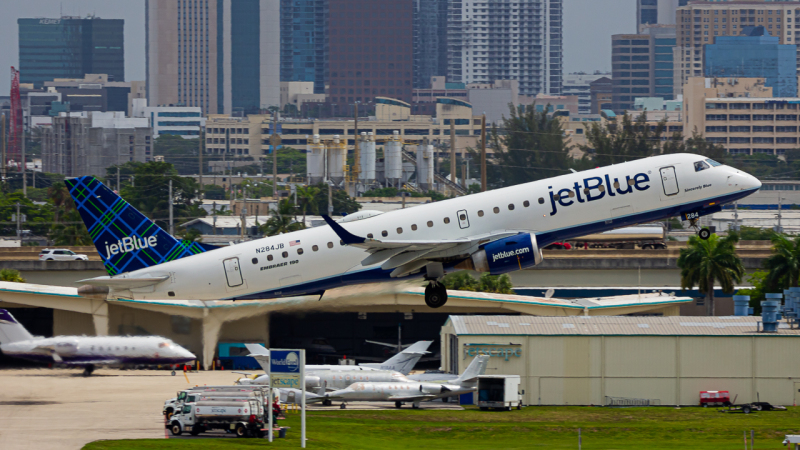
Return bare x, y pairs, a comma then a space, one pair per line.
197, 393
715, 398
61, 254
499, 391
645, 237
244, 417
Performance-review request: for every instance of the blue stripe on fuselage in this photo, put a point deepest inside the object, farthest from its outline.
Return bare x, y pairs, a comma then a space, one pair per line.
544, 239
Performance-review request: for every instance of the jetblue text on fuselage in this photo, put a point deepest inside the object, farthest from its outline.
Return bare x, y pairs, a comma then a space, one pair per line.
595, 188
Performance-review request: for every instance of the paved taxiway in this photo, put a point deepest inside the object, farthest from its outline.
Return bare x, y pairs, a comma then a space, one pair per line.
60, 409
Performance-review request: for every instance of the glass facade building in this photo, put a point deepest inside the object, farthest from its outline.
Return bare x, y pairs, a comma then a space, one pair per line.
642, 66
245, 56
757, 55
70, 48
430, 41
303, 42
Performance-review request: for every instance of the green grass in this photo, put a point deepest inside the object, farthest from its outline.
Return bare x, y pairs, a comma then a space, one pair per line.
533, 427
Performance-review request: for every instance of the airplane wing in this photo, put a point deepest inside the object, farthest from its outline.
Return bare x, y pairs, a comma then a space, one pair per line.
407, 256
411, 398
124, 282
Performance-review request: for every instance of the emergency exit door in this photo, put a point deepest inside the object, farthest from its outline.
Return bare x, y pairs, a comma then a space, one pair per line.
233, 272
669, 180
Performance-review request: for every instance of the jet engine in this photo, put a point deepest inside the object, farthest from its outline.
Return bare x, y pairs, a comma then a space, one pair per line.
505, 255
432, 388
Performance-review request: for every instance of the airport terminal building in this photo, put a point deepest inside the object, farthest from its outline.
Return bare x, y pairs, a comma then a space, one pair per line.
607, 360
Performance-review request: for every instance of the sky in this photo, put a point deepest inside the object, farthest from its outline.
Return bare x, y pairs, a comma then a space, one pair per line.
588, 26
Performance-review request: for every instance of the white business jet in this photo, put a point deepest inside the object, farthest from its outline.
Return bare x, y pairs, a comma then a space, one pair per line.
498, 231
88, 351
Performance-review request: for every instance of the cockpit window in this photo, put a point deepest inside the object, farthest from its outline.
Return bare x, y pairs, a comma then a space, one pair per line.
700, 165
713, 163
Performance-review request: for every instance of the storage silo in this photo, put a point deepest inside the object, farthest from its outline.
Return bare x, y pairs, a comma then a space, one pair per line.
337, 156
393, 157
315, 160
367, 148
425, 167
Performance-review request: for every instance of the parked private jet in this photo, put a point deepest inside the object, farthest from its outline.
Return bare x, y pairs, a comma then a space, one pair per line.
88, 351
498, 231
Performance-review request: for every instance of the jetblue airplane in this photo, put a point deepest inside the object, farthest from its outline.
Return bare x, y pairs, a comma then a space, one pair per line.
88, 351
498, 231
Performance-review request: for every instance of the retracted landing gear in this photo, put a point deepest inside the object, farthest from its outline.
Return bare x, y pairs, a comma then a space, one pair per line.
435, 294
704, 233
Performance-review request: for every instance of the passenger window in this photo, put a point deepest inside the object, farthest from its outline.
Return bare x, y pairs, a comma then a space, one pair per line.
330, 244
341, 242
414, 227
314, 247
586, 191
384, 233
299, 251
630, 182
511, 207
255, 260
446, 220
700, 165
269, 257
556, 197
526, 203
430, 224
616, 184
496, 210
602, 188
541, 201
285, 254
480, 213
369, 235
399, 230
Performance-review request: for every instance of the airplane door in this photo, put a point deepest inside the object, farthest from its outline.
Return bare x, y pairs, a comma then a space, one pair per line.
463, 219
233, 272
669, 180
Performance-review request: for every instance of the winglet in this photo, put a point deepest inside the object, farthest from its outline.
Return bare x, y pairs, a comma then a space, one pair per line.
346, 236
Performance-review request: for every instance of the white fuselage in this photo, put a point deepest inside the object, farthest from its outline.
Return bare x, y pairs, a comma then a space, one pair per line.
406, 391
89, 350
313, 260
334, 379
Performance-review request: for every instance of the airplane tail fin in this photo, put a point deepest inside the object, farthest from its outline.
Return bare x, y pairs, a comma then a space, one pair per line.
11, 330
260, 353
404, 361
475, 369
124, 237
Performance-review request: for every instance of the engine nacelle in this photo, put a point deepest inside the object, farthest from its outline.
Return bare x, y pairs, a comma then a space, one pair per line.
505, 255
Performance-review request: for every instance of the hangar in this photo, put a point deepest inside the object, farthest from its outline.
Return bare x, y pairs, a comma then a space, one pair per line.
340, 314
607, 360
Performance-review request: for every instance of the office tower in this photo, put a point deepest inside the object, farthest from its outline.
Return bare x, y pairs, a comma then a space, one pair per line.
303, 42
519, 40
220, 55
642, 66
369, 50
656, 12
579, 85
430, 41
754, 55
70, 47
700, 23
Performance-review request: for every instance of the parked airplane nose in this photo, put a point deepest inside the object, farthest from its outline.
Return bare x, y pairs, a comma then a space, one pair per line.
183, 353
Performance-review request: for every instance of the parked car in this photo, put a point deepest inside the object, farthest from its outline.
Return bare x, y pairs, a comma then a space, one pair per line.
61, 254
559, 246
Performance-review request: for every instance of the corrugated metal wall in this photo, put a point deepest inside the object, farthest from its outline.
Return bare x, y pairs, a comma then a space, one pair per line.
588, 370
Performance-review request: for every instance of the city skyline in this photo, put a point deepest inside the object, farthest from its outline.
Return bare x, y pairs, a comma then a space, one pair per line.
580, 29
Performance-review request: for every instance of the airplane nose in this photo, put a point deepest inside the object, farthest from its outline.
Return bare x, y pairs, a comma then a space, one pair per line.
744, 181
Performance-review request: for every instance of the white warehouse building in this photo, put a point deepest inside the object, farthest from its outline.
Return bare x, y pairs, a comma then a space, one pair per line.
183, 121
606, 360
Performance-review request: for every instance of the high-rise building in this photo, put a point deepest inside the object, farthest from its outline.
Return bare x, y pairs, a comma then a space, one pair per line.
756, 54
303, 42
700, 23
642, 66
70, 47
430, 41
220, 55
519, 40
368, 50
656, 12
601, 91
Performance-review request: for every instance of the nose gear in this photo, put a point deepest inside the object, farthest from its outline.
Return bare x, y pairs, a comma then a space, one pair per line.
704, 232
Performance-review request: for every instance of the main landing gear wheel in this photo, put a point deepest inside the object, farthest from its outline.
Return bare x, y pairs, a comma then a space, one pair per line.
87, 371
704, 233
435, 295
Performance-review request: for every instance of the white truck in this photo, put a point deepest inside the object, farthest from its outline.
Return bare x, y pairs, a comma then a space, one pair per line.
499, 392
244, 417
194, 394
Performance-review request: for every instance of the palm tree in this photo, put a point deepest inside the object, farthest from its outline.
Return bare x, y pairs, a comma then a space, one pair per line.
60, 197
282, 220
784, 264
705, 261
306, 197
